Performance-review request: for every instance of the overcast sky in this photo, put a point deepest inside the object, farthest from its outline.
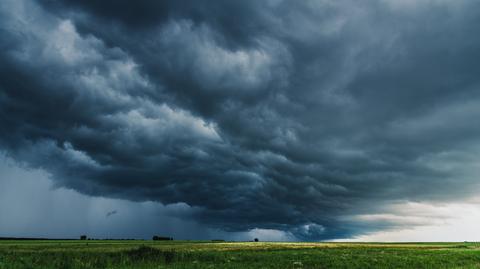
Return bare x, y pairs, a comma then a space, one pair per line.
286, 120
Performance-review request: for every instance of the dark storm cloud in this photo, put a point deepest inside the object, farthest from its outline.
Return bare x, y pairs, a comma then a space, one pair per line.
296, 116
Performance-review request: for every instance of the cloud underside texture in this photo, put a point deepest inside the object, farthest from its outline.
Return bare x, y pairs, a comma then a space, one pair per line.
297, 116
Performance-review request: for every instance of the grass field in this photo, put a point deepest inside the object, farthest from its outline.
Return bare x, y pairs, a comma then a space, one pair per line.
190, 254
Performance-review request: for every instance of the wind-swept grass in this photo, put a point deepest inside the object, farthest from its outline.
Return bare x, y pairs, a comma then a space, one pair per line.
189, 254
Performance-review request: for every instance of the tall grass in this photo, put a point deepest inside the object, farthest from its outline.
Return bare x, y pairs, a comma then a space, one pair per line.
147, 255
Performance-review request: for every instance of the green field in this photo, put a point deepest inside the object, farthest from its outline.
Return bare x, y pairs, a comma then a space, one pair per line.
190, 254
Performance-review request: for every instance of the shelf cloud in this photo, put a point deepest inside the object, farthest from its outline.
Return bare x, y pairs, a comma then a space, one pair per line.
314, 118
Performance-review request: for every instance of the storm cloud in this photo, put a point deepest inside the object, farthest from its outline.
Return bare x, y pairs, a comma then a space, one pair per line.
305, 117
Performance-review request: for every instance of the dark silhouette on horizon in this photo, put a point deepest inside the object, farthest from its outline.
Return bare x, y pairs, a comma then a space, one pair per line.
161, 238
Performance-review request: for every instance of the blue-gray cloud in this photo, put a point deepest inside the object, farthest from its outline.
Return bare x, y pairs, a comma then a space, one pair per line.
273, 115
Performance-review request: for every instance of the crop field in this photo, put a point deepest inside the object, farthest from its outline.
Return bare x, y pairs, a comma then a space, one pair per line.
201, 254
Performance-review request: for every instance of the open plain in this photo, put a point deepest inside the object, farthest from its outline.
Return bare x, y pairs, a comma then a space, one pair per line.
205, 254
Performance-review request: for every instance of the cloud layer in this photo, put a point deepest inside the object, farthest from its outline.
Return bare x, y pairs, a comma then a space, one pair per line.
306, 117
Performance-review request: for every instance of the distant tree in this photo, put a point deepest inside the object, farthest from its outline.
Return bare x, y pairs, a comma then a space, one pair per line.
83, 237
256, 239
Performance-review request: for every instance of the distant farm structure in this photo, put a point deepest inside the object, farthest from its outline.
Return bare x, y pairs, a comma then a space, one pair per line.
161, 238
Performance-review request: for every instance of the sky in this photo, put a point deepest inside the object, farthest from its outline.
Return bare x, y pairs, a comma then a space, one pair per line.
282, 120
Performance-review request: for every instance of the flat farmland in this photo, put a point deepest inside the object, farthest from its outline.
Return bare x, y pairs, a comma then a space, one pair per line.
205, 254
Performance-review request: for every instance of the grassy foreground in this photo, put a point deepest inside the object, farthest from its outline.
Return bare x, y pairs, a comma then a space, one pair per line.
189, 254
